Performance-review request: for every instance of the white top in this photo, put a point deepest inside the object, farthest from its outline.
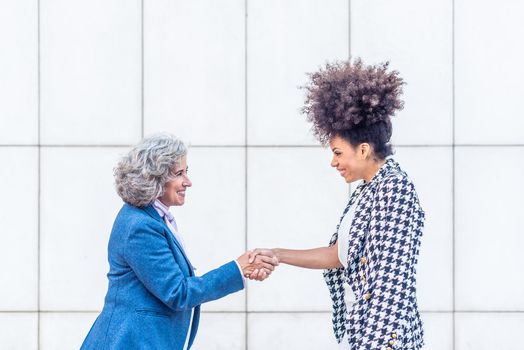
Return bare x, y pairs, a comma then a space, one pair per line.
343, 248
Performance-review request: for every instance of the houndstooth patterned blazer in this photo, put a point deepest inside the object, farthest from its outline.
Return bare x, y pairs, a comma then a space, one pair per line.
384, 242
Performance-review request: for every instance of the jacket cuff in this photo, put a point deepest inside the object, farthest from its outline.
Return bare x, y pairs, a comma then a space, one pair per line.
241, 273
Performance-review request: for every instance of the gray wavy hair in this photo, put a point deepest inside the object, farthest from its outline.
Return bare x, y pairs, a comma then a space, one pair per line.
140, 175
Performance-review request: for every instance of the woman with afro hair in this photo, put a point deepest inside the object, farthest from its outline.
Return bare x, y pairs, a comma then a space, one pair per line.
370, 263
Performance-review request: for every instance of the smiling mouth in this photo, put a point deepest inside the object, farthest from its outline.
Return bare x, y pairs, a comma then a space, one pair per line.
182, 193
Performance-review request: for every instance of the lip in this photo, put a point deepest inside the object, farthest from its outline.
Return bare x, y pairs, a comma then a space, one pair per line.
181, 193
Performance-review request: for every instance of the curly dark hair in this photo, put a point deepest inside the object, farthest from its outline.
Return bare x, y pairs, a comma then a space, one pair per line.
356, 102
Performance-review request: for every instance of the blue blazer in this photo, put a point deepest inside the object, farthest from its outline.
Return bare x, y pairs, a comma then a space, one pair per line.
152, 287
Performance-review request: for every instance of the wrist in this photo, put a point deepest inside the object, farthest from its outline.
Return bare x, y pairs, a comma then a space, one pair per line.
279, 254
242, 261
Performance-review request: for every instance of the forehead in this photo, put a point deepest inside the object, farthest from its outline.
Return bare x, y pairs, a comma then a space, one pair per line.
181, 164
338, 142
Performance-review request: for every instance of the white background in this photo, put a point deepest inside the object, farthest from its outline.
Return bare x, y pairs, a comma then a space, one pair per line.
81, 81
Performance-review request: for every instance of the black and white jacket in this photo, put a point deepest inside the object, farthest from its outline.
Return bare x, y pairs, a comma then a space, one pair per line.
384, 242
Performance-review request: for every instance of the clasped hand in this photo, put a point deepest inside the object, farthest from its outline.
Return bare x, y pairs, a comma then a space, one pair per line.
258, 264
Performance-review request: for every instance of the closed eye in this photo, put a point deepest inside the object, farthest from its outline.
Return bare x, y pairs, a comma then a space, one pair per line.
181, 172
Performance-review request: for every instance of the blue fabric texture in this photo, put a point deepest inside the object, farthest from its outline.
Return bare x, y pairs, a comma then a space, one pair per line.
152, 287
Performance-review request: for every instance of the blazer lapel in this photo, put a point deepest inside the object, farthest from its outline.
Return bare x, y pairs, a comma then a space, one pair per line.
154, 214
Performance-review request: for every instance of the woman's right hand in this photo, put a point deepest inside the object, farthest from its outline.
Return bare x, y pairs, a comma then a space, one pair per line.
265, 252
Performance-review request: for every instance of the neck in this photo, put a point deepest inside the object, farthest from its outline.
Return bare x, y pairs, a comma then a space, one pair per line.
163, 203
373, 169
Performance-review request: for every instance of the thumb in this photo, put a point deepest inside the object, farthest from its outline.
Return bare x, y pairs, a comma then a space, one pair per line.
252, 255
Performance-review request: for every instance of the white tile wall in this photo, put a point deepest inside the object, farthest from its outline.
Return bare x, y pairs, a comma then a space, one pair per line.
416, 37
290, 289
19, 331
19, 228
64, 330
431, 170
489, 238
488, 72
194, 68
78, 206
217, 56
438, 330
489, 331
279, 331
221, 331
295, 200
212, 220
19, 72
285, 40
90, 72
294, 195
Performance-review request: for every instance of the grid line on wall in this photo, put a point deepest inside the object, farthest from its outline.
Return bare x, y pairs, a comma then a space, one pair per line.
349, 57
349, 29
456, 145
266, 312
142, 69
39, 182
453, 145
246, 320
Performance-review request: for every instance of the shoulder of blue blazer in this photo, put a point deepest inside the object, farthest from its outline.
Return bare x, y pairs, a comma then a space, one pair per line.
130, 216
129, 211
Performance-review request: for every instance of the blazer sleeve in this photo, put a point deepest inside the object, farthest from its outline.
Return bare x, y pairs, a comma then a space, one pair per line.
148, 254
390, 263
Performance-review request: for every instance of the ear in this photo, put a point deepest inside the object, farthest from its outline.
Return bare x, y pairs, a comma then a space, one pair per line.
364, 151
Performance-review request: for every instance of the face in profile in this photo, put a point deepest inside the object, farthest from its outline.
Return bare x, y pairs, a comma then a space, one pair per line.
175, 189
348, 160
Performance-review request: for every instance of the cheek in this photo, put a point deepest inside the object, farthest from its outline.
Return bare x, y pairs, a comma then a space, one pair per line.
349, 164
170, 189
176, 186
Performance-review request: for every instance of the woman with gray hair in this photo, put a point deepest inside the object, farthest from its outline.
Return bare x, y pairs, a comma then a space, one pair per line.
154, 297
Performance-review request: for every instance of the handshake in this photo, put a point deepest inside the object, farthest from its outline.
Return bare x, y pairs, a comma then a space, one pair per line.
258, 264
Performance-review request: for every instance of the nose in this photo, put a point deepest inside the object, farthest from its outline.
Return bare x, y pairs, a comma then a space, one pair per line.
334, 162
187, 182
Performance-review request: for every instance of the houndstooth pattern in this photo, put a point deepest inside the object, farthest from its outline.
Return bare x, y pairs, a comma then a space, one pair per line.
386, 231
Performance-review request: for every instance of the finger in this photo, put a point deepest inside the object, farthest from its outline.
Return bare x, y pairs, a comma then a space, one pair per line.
266, 266
255, 274
267, 273
262, 276
268, 259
